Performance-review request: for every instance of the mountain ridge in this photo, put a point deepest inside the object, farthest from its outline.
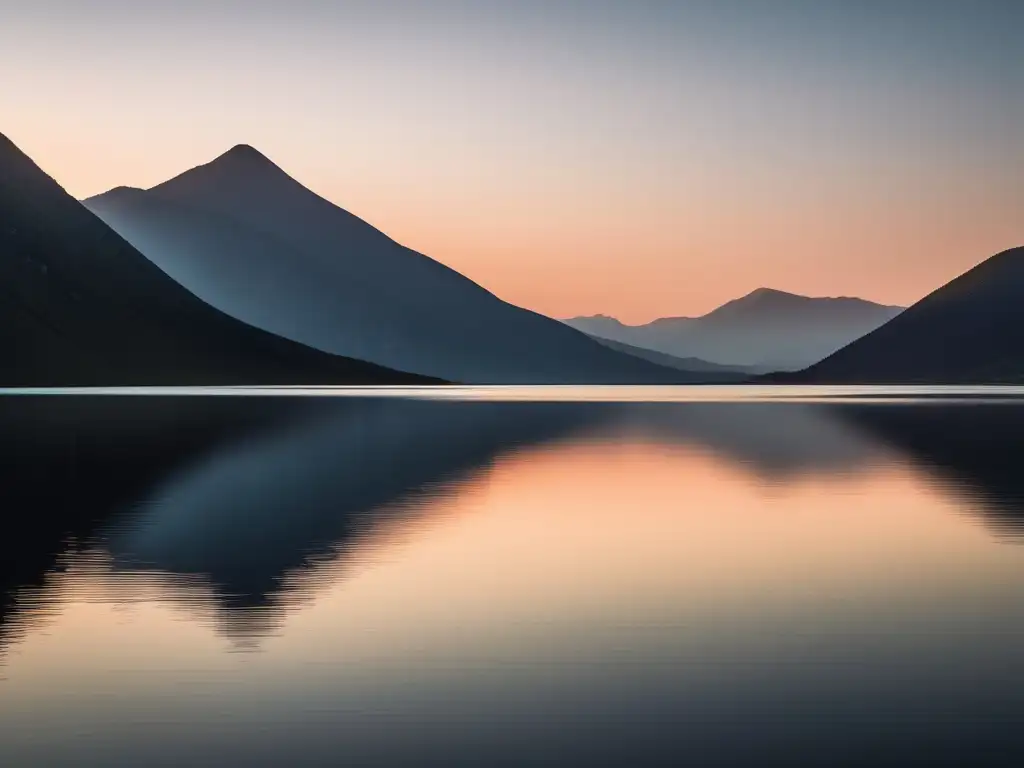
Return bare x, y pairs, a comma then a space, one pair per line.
79, 306
970, 330
247, 237
763, 291
766, 329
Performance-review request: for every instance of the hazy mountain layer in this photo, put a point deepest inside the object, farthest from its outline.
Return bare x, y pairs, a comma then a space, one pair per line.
765, 330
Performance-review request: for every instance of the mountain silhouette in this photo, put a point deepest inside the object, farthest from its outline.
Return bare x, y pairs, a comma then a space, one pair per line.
245, 236
970, 330
80, 306
766, 330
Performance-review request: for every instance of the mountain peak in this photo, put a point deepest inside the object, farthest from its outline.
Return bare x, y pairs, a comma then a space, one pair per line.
763, 299
243, 158
598, 317
242, 166
773, 297
245, 153
117, 193
775, 293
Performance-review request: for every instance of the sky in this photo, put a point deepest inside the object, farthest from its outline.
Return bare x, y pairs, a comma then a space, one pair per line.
635, 158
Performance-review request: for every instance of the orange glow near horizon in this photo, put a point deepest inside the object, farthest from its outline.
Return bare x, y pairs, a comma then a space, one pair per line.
556, 539
634, 159
594, 254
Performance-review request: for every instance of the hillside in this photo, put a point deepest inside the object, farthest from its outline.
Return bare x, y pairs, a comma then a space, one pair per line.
970, 330
245, 236
80, 306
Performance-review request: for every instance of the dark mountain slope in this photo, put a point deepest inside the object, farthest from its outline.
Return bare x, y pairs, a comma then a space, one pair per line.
245, 236
80, 306
971, 330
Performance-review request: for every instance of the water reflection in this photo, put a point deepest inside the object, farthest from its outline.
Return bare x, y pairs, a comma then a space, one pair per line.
973, 450
779, 442
239, 509
516, 578
264, 521
68, 464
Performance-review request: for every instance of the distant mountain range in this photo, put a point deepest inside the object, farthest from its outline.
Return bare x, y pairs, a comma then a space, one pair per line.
249, 239
971, 330
80, 306
767, 330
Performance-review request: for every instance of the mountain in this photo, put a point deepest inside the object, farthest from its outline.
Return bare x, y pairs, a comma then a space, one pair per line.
243, 235
693, 365
970, 330
80, 306
765, 330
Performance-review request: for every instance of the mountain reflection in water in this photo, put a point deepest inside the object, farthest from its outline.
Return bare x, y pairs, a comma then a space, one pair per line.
478, 535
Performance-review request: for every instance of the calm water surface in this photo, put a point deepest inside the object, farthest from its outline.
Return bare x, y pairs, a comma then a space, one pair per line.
626, 577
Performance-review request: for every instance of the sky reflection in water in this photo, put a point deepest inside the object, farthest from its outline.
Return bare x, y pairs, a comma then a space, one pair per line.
260, 581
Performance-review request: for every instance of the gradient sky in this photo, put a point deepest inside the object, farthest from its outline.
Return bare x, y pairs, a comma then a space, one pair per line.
634, 158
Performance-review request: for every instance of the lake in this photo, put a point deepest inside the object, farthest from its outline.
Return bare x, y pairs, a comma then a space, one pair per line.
706, 576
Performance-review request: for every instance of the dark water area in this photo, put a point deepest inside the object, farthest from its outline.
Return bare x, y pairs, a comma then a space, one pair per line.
395, 581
